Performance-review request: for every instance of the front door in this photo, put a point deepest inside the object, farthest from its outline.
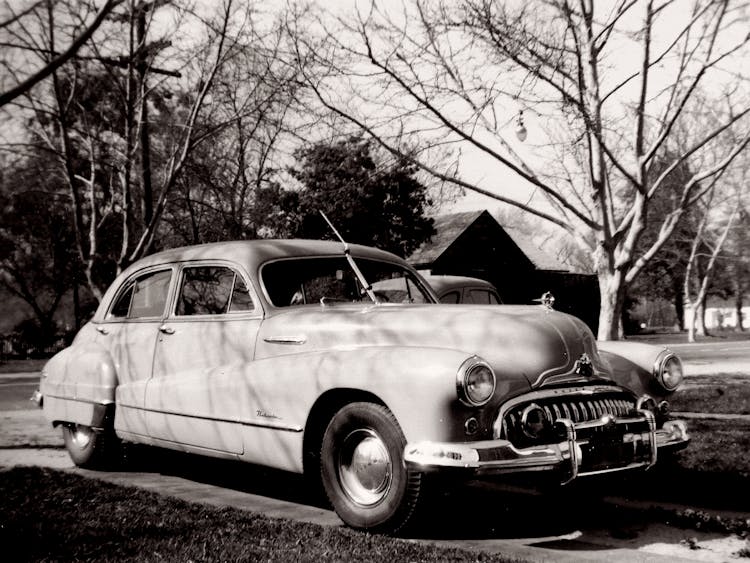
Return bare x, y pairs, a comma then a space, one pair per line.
196, 395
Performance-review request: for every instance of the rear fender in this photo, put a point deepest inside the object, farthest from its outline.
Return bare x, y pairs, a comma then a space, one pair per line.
78, 385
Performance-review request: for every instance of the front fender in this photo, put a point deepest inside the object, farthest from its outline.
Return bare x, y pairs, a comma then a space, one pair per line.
633, 364
418, 385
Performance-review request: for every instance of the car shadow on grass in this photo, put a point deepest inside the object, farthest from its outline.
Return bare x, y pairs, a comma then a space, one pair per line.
500, 510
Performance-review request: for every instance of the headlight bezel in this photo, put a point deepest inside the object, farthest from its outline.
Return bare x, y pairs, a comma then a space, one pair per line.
663, 374
473, 367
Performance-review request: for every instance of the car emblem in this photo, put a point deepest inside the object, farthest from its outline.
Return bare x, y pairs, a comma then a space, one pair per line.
547, 300
583, 366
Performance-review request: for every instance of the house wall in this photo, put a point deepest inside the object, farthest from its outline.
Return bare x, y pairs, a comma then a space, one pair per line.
486, 251
726, 317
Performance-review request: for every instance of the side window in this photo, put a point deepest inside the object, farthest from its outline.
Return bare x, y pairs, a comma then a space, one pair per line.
483, 297
479, 297
241, 300
121, 307
212, 290
450, 297
150, 295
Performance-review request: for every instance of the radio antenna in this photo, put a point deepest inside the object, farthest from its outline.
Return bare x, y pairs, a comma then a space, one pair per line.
352, 263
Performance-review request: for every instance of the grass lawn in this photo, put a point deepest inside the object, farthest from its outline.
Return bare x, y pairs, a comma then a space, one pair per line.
46, 515
721, 393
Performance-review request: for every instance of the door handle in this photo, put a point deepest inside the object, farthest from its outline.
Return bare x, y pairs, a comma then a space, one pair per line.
166, 329
102, 330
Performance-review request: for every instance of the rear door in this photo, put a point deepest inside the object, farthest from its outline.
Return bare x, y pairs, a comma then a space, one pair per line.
197, 395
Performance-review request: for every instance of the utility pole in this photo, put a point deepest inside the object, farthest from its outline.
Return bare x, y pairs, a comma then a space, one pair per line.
147, 203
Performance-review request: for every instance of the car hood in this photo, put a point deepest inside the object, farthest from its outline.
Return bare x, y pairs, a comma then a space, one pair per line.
527, 345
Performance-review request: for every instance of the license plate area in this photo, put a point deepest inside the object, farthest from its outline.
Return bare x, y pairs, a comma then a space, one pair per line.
613, 445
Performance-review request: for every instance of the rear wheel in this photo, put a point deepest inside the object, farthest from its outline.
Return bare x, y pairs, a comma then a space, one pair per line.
90, 448
363, 470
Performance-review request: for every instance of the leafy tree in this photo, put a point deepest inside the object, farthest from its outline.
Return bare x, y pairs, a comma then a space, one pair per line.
368, 200
38, 262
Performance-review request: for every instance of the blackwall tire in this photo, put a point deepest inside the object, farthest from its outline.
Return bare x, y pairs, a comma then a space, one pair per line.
90, 448
363, 471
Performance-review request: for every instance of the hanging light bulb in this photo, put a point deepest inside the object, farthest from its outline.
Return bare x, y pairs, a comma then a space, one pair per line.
521, 131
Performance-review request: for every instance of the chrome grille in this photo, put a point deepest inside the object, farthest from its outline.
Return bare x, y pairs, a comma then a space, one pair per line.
578, 408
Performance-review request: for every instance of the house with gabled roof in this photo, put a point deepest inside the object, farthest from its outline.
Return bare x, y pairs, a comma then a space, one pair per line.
474, 244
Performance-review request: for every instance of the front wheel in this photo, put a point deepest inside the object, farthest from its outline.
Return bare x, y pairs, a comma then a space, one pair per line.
90, 448
363, 470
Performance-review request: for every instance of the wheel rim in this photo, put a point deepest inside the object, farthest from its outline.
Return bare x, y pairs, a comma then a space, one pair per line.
364, 467
81, 435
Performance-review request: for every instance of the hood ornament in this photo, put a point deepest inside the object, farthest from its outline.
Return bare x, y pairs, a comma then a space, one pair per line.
547, 300
583, 366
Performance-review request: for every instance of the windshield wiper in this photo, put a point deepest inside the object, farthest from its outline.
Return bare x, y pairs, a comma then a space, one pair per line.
352, 263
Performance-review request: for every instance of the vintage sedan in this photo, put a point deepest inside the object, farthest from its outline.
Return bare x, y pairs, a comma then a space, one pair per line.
338, 361
463, 289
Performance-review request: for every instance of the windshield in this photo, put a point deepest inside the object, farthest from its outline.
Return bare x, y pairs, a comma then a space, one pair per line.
302, 281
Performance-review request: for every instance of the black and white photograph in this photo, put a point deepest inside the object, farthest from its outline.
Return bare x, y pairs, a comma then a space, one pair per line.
375, 280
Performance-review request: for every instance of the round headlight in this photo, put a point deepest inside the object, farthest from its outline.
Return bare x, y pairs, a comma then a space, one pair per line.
669, 371
475, 382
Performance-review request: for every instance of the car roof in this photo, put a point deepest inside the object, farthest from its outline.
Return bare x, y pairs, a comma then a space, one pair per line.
260, 251
443, 283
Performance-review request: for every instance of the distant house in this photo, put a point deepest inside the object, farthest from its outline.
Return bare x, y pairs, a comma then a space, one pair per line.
723, 314
475, 244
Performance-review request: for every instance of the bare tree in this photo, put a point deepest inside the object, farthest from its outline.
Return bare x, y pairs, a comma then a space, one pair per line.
711, 235
257, 95
16, 18
608, 87
94, 121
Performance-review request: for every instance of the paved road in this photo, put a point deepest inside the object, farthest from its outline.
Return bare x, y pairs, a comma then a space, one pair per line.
487, 518
714, 357
713, 351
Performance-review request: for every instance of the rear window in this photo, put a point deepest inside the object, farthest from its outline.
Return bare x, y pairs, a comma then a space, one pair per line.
212, 290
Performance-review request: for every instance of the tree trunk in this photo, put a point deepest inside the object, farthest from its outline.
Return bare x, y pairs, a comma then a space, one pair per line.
612, 297
76, 306
679, 303
690, 314
701, 318
738, 303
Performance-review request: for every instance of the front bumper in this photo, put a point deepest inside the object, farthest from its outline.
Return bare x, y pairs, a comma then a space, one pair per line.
589, 448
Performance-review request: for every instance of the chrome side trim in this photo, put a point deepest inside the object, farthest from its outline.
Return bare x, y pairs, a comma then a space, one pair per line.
294, 340
77, 400
243, 422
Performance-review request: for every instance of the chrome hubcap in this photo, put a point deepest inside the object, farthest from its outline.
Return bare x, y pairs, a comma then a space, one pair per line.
81, 435
365, 467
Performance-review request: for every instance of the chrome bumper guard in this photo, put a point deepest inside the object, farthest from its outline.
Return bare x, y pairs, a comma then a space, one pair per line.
584, 442
37, 398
